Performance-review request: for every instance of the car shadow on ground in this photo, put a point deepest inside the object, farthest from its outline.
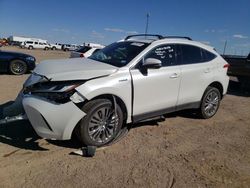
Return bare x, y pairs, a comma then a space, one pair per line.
20, 134
238, 89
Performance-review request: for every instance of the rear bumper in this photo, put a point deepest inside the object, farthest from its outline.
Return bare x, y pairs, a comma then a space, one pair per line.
50, 120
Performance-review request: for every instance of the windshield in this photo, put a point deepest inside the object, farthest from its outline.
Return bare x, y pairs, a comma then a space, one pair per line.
119, 54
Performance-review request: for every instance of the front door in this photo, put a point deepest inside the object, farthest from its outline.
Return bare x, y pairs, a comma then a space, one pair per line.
155, 90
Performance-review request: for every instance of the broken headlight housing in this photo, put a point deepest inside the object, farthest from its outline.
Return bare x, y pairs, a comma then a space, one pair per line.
59, 92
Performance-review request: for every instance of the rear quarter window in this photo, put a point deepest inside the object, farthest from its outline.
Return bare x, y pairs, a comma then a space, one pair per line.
207, 56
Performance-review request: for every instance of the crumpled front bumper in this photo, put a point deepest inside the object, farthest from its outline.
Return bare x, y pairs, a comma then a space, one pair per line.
51, 120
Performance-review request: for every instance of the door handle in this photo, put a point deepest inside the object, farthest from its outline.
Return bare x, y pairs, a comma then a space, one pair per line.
175, 75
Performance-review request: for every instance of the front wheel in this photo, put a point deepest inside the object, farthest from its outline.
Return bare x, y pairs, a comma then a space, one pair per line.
101, 123
210, 103
18, 67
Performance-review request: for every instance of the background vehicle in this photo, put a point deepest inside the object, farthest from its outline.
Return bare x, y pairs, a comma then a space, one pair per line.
240, 68
56, 46
69, 47
128, 81
36, 45
16, 63
4, 42
86, 50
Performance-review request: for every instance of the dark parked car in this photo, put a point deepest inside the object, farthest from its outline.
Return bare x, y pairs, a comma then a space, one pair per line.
239, 67
16, 63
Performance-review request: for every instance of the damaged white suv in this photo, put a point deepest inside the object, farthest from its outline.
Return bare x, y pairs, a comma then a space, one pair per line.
140, 77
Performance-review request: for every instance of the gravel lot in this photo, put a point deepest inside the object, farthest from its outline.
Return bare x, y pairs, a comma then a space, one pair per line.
181, 151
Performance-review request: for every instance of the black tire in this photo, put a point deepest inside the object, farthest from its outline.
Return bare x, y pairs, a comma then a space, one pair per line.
210, 103
53, 48
66, 49
46, 48
18, 67
30, 47
91, 130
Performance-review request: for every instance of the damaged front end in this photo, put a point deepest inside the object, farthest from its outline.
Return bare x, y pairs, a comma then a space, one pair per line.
50, 106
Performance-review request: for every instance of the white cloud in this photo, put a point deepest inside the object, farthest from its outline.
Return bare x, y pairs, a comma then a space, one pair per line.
215, 30
205, 42
117, 30
239, 36
245, 45
97, 35
132, 32
61, 30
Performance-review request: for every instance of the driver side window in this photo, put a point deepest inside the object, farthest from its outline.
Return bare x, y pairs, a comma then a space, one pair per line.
165, 53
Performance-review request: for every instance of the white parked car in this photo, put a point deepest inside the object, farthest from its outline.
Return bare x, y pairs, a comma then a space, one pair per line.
86, 51
69, 47
56, 46
36, 45
126, 82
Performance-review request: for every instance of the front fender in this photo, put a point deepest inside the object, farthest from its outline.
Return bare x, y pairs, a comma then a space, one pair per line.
118, 85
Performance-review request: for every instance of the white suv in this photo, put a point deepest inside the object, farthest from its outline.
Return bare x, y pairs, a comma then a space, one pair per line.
36, 45
126, 82
86, 50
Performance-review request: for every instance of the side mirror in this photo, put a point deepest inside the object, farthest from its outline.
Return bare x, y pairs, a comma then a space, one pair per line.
151, 63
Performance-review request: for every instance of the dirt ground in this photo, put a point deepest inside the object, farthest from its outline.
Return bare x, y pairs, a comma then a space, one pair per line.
181, 151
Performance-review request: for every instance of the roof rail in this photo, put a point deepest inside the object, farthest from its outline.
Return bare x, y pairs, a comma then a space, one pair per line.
144, 35
179, 37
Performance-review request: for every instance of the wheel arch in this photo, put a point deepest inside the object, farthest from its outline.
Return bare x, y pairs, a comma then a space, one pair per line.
219, 86
119, 101
109, 97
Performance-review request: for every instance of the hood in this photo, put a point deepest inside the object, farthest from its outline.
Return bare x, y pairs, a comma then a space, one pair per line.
15, 53
73, 69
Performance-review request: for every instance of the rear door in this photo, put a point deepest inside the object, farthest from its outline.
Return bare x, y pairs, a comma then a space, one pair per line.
156, 89
197, 72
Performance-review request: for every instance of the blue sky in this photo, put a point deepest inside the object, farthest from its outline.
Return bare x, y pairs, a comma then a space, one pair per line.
106, 21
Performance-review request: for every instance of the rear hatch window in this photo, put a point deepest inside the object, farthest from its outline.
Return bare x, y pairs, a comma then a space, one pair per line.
83, 49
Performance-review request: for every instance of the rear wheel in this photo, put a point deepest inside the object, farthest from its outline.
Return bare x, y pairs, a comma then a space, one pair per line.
18, 67
30, 47
101, 124
46, 48
210, 103
53, 48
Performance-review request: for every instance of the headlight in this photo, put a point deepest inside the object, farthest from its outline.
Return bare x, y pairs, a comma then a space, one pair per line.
29, 58
59, 92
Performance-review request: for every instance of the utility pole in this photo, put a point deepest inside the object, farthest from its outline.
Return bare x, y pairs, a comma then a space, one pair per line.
146, 29
225, 46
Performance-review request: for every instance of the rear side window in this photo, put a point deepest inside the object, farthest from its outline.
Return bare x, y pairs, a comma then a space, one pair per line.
165, 53
188, 54
29, 42
191, 54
